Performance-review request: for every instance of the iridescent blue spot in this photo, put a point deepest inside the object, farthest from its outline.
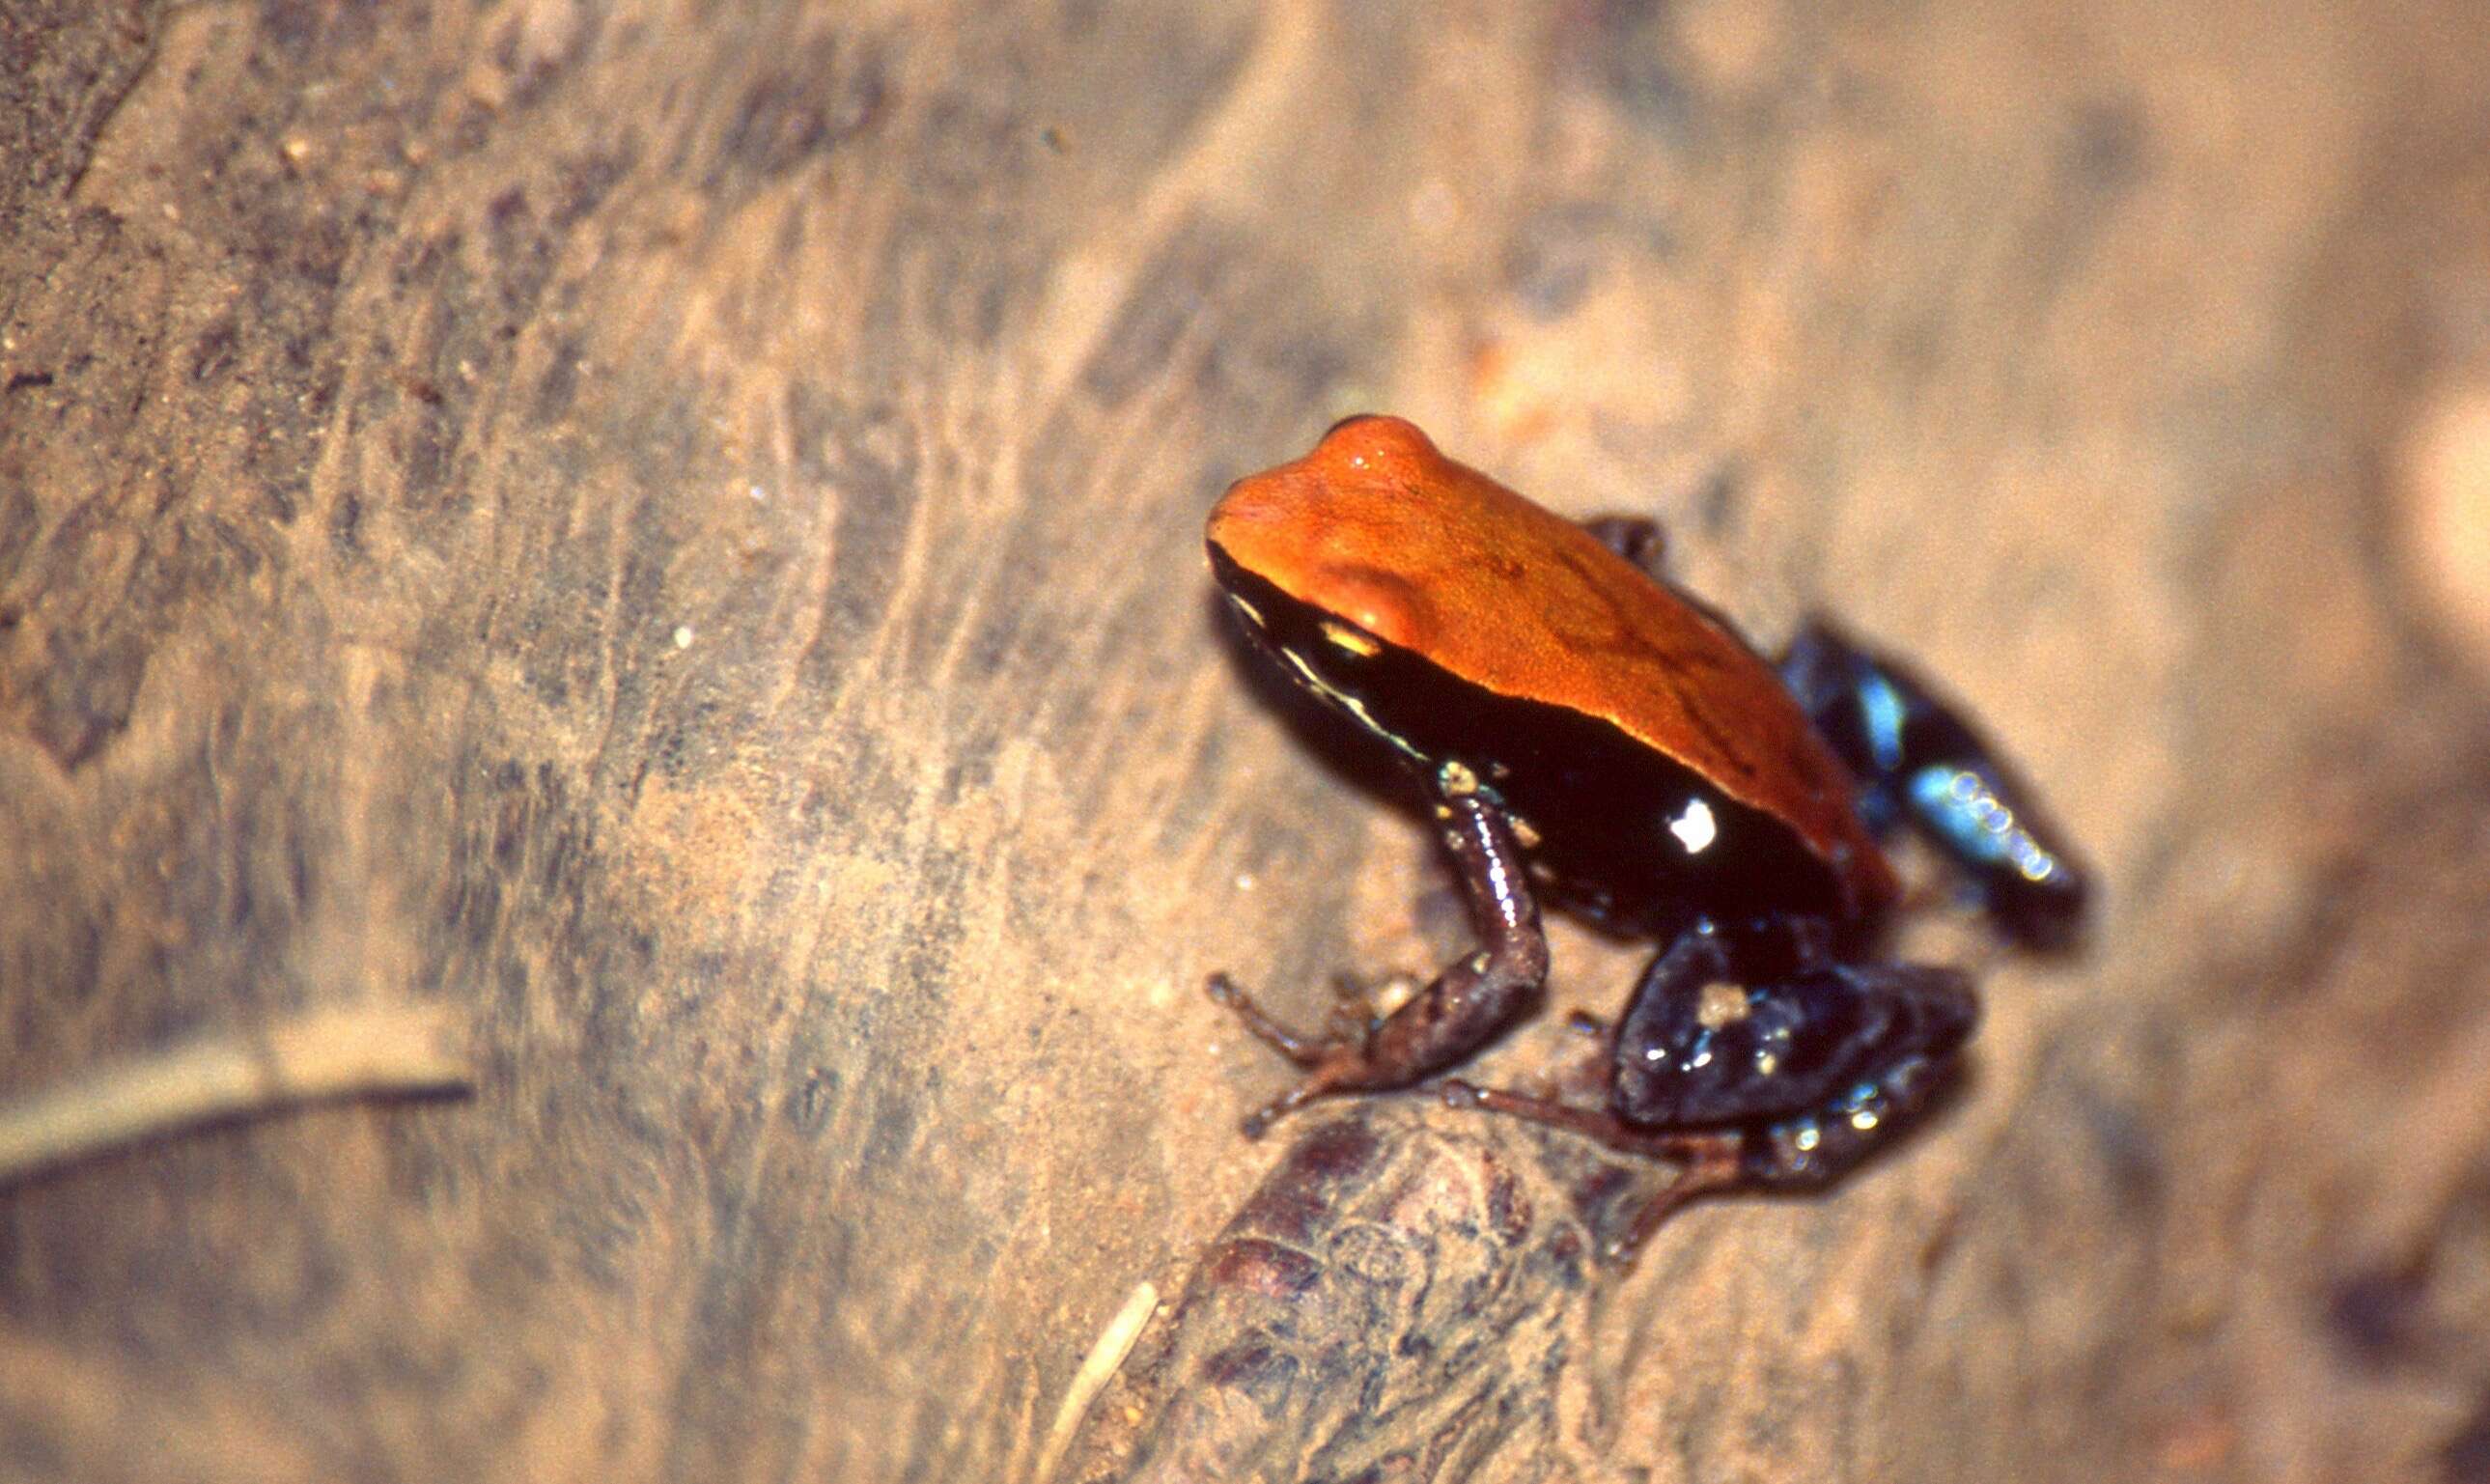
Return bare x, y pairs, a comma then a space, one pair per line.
1884, 710
1963, 810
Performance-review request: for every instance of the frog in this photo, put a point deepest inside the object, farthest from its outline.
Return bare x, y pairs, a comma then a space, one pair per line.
1583, 732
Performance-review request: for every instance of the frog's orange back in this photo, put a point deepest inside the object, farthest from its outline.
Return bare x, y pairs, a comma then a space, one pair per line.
1377, 527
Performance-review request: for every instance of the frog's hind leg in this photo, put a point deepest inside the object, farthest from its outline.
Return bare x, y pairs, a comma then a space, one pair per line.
1707, 1160
1747, 1063
1733, 1030
1920, 762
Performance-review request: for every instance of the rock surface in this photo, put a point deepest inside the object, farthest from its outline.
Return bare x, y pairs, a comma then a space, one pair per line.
672, 531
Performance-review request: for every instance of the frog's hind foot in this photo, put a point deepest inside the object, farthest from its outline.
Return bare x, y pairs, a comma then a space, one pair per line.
1706, 1161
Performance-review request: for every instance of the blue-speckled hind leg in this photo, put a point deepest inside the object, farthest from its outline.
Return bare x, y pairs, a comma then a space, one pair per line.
1745, 1068
1920, 763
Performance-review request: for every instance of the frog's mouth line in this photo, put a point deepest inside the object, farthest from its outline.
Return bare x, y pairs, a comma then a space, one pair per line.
1259, 629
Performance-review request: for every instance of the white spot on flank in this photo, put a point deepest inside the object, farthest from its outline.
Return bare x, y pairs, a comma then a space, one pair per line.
683, 636
1695, 829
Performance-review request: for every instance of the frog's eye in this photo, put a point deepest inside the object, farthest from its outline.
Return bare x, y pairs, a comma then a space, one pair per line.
1356, 641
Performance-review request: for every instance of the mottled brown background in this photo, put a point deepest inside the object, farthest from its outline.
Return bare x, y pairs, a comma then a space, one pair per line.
672, 528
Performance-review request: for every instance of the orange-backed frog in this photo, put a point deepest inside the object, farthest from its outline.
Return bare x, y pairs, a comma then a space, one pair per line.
1582, 728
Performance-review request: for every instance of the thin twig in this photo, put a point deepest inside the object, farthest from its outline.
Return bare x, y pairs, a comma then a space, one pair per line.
1114, 1343
328, 1054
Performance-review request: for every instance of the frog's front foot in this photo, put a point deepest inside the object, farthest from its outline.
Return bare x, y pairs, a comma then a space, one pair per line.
1303, 1050
1335, 1063
1461, 1009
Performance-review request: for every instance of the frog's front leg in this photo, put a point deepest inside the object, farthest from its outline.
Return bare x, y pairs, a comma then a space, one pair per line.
1745, 1064
1465, 1005
1919, 762
1638, 538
